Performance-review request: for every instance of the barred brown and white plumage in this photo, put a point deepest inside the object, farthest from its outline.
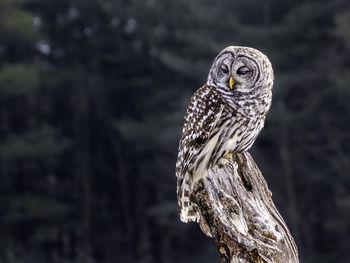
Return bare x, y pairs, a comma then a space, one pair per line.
224, 116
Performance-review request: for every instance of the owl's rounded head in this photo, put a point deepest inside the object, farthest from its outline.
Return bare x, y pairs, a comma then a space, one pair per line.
241, 69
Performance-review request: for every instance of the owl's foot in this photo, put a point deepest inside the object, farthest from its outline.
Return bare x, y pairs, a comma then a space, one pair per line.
225, 160
228, 156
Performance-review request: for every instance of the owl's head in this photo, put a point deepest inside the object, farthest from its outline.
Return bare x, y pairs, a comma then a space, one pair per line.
241, 69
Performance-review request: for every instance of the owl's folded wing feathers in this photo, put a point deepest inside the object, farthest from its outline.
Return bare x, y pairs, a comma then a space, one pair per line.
203, 113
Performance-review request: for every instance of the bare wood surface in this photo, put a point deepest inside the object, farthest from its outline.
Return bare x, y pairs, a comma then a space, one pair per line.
239, 214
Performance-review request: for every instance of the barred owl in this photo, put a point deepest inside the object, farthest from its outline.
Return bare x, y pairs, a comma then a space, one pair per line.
224, 116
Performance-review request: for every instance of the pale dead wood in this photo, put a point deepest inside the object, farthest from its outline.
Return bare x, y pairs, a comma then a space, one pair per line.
238, 212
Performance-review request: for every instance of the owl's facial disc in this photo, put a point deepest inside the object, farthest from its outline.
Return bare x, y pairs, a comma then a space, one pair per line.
241, 70
233, 71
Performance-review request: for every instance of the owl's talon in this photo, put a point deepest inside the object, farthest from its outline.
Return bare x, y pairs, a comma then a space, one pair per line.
229, 164
228, 157
225, 160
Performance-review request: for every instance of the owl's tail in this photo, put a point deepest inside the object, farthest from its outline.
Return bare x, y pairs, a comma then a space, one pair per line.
189, 210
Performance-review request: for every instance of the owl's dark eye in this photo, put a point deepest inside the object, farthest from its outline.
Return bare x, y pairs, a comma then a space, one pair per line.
224, 69
243, 70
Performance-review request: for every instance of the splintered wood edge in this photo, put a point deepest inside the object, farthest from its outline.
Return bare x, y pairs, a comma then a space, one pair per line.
238, 213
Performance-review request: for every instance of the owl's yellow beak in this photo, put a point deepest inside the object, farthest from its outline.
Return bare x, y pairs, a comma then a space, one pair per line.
231, 82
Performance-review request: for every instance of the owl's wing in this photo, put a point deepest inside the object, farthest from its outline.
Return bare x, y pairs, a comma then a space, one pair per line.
202, 116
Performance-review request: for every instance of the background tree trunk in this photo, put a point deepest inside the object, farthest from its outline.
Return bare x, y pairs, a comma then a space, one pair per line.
239, 214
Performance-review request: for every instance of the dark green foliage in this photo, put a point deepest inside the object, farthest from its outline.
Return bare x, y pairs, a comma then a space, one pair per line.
92, 98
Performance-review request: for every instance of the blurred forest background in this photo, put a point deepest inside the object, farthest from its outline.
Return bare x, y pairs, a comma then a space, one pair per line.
92, 98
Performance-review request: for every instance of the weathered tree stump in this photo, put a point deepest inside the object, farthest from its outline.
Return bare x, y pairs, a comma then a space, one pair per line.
238, 213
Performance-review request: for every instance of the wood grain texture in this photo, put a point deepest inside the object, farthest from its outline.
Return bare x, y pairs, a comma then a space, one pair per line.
238, 213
